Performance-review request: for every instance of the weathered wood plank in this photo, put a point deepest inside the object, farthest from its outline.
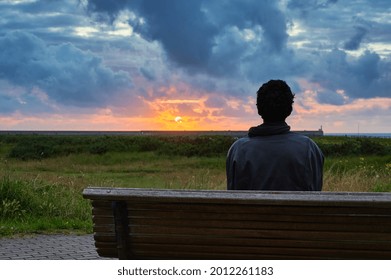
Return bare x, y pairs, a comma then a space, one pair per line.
366, 219
140, 249
327, 219
271, 241
235, 197
260, 224
304, 209
260, 233
257, 242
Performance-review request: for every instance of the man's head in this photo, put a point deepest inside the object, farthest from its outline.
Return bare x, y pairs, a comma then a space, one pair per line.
274, 101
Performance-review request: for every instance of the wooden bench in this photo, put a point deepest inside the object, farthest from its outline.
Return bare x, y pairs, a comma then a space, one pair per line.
182, 224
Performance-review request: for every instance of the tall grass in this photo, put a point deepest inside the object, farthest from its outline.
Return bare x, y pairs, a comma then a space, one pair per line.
358, 174
355, 181
29, 206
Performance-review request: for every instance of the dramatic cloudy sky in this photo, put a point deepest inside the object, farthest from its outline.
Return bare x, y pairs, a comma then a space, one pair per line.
194, 64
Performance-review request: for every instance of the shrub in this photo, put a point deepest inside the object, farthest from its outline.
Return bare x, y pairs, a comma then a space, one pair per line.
11, 209
99, 148
32, 150
14, 201
352, 146
28, 147
370, 147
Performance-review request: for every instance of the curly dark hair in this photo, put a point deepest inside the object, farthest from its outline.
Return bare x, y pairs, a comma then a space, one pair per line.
274, 100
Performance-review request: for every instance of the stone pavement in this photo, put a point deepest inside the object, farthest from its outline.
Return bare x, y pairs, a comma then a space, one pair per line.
49, 247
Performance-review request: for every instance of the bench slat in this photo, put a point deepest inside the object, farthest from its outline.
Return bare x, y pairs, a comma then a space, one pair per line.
214, 243
260, 224
149, 249
366, 219
255, 233
257, 242
238, 198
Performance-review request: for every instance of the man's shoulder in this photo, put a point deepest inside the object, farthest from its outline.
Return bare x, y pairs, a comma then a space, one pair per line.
299, 136
240, 141
306, 141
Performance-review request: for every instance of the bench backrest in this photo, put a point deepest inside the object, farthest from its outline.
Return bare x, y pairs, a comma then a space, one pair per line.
183, 224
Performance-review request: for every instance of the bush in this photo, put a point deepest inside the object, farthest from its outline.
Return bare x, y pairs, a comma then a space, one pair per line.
39, 146
99, 148
370, 147
352, 146
32, 150
11, 209
204, 146
32, 147
28, 147
15, 203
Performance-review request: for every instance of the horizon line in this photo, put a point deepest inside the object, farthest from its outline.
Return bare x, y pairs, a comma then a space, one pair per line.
4, 131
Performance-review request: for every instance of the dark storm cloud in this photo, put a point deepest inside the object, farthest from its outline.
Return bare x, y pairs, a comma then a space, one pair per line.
65, 73
250, 14
246, 42
54, 22
354, 42
37, 15
7, 103
306, 6
363, 77
331, 97
148, 73
205, 35
181, 27
108, 8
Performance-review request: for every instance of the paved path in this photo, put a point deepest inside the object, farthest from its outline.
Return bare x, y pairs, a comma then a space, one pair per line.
49, 247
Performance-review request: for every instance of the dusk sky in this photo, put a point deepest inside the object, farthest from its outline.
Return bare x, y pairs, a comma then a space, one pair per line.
193, 64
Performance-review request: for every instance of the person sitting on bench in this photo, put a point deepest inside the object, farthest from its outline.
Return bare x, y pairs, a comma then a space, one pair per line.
272, 157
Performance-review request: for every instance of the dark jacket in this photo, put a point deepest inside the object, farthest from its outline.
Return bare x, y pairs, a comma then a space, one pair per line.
273, 158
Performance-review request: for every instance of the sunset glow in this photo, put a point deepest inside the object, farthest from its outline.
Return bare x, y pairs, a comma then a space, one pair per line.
99, 65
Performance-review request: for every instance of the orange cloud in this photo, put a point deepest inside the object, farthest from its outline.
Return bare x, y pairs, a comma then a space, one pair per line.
192, 107
191, 111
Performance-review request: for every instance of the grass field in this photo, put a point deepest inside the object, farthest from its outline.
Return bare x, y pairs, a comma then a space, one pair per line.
41, 178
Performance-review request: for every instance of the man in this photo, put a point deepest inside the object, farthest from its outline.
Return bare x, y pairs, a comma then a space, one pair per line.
272, 157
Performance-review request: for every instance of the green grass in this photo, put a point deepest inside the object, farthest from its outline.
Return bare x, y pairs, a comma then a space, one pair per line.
44, 194
33, 206
358, 174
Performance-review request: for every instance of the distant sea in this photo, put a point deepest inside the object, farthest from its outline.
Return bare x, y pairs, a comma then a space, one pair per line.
377, 135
